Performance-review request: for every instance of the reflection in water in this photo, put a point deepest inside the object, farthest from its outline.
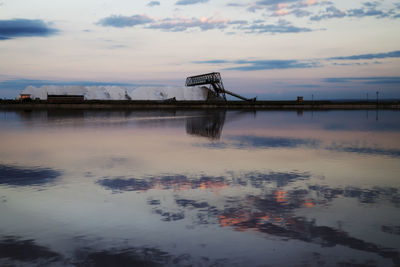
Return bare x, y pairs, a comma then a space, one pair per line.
272, 212
26, 251
209, 124
175, 182
246, 141
262, 142
183, 182
395, 230
22, 176
145, 188
365, 150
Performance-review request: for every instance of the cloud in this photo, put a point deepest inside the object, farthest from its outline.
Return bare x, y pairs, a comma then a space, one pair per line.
393, 80
15, 28
274, 2
153, 3
282, 26
330, 12
278, 5
361, 12
324, 9
181, 24
300, 13
372, 4
166, 24
369, 9
254, 65
124, 21
190, 2
392, 54
235, 5
216, 61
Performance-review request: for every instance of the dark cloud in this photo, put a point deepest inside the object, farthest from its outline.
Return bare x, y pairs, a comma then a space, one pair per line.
10, 29
153, 3
190, 2
392, 54
124, 21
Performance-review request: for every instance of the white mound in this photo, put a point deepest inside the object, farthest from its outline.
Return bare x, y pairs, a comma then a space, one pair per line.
119, 92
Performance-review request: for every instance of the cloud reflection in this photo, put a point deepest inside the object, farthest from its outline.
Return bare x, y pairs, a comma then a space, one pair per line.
271, 211
175, 182
265, 142
15, 249
23, 176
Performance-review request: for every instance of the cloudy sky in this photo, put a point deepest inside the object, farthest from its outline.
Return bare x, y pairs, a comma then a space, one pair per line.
273, 49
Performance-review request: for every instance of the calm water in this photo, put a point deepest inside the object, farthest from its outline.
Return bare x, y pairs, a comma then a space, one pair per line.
134, 188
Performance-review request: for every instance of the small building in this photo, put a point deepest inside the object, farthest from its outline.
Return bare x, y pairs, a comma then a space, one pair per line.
299, 99
65, 98
25, 96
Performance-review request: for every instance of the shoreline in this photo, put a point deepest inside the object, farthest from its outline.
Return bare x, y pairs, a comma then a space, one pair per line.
168, 104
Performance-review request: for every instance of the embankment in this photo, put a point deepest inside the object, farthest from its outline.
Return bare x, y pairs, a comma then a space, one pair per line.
258, 105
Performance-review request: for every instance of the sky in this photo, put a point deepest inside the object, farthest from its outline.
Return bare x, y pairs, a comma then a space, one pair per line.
272, 49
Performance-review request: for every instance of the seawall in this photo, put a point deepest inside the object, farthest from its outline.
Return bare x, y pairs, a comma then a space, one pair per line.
258, 105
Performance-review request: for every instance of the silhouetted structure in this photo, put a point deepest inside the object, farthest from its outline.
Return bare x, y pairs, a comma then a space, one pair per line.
216, 90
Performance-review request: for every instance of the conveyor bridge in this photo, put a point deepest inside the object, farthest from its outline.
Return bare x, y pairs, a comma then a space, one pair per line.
216, 89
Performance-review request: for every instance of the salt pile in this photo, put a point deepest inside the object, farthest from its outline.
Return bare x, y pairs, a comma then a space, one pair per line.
119, 92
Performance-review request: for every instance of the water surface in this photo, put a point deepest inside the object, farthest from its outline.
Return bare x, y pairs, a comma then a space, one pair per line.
202, 188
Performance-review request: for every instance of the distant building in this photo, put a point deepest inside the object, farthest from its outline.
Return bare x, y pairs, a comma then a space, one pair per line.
25, 96
299, 99
65, 98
